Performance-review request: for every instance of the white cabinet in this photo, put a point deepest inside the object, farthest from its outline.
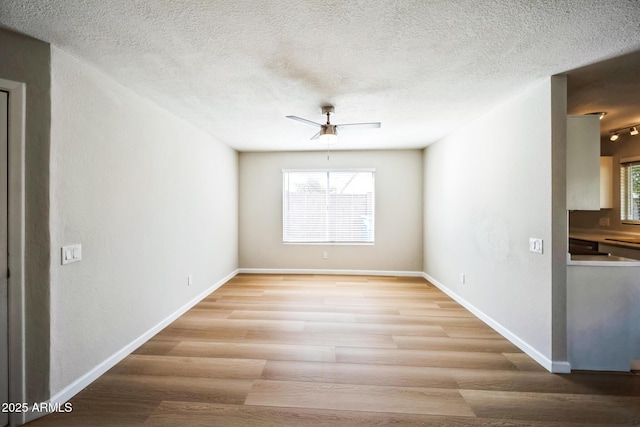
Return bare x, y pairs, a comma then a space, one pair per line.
606, 182
583, 163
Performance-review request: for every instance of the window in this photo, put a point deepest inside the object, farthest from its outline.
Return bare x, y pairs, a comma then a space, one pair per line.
328, 206
630, 192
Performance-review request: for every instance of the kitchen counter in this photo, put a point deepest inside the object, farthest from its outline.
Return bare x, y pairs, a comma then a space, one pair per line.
613, 239
603, 316
605, 239
603, 305
602, 261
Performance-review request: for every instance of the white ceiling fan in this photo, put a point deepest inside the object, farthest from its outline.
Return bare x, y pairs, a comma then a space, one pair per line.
328, 133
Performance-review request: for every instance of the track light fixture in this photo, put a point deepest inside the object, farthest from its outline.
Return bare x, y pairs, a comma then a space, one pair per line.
615, 134
600, 114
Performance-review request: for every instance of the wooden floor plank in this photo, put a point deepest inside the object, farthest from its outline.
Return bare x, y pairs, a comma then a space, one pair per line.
218, 334
376, 328
199, 367
156, 346
554, 406
443, 359
403, 304
419, 319
435, 311
454, 344
278, 350
266, 351
293, 315
546, 382
309, 308
205, 313
523, 362
225, 325
480, 331
408, 400
130, 387
172, 414
375, 341
356, 373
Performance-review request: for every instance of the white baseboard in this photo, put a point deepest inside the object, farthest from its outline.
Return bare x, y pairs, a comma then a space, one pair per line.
82, 382
330, 272
557, 367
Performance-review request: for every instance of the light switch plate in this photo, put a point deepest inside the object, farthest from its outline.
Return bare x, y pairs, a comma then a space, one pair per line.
71, 253
535, 245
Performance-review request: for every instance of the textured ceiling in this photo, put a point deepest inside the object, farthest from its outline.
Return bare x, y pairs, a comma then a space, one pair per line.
235, 68
611, 86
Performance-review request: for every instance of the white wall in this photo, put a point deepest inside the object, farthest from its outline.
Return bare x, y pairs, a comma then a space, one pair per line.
398, 227
487, 188
150, 198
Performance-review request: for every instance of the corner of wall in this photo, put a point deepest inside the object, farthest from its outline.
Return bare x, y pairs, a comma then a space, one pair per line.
559, 217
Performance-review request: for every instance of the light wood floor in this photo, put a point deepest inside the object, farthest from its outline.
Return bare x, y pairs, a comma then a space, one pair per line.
340, 351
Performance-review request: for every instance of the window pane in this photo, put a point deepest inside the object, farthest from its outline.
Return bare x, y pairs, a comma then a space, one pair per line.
328, 206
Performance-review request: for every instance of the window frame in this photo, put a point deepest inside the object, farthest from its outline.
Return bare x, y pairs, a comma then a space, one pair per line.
329, 171
626, 190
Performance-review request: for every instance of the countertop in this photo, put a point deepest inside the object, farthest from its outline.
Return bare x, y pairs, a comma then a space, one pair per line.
602, 261
603, 237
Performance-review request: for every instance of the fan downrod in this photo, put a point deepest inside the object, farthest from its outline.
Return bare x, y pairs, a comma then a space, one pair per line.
327, 109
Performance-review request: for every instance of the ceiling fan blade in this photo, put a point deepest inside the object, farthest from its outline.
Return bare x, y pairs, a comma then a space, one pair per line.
316, 136
300, 119
349, 126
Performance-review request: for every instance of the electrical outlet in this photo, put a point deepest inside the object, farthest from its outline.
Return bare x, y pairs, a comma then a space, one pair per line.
190, 280
604, 222
325, 255
535, 245
462, 278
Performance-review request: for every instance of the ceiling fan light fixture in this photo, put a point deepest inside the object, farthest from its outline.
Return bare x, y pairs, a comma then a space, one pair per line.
633, 130
328, 139
328, 134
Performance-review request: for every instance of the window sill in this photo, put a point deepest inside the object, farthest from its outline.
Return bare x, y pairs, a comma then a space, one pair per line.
330, 243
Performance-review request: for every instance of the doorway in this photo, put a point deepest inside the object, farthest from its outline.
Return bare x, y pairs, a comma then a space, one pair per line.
12, 243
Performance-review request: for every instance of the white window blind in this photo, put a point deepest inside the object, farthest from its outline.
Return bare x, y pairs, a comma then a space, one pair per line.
328, 206
630, 192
